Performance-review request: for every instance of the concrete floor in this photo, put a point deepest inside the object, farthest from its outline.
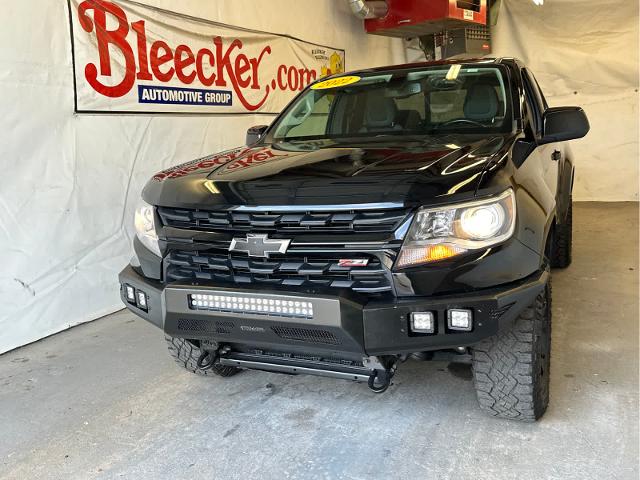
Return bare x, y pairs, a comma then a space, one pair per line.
104, 400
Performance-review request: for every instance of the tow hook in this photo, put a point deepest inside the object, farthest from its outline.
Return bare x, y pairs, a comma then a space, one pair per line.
207, 359
381, 374
211, 352
383, 378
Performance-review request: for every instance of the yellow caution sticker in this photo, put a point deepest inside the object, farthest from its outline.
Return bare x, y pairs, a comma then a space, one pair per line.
336, 82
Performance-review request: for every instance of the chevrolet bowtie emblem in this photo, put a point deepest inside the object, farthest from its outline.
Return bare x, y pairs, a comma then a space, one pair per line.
259, 245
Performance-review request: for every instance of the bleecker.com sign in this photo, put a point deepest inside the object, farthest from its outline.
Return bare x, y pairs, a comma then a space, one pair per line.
133, 58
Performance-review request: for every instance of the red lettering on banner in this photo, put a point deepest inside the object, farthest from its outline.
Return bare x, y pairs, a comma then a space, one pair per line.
104, 37
206, 81
185, 61
158, 59
222, 65
143, 62
242, 67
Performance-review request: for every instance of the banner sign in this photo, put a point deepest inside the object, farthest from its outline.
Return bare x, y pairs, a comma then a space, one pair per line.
133, 58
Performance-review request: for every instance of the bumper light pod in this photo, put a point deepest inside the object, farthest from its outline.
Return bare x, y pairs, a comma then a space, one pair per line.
460, 319
142, 299
130, 293
422, 322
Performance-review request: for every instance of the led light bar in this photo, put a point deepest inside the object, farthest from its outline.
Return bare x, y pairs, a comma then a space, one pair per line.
251, 305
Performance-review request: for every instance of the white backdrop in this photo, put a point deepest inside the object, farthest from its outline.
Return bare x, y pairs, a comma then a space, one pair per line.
585, 52
71, 182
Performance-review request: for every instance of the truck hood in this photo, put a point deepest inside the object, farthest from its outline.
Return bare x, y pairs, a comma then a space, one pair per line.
330, 172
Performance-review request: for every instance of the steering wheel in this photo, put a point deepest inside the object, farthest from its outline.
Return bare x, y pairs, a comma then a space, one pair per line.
460, 120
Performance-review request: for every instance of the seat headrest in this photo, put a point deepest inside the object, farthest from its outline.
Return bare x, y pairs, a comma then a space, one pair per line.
380, 112
481, 102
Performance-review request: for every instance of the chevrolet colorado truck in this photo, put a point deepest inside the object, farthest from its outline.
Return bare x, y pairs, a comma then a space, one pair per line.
411, 211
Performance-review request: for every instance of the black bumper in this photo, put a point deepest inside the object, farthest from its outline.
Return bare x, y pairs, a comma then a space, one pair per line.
343, 325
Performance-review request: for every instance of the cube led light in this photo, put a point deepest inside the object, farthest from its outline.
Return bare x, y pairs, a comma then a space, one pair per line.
460, 319
130, 293
142, 299
422, 322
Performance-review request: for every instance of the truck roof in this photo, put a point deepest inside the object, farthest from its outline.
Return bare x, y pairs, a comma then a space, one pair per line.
429, 64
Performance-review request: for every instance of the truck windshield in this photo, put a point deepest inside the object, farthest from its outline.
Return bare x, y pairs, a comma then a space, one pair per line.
441, 99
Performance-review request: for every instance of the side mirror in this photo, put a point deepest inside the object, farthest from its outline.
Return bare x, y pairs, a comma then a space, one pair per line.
564, 123
254, 134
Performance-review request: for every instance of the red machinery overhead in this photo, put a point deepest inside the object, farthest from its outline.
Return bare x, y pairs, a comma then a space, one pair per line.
413, 18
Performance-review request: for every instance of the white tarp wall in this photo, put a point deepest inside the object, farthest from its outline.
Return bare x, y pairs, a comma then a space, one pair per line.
585, 52
72, 181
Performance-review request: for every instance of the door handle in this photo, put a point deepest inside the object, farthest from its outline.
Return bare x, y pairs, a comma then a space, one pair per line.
556, 155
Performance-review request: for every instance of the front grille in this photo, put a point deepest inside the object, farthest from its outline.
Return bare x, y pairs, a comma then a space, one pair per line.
284, 222
309, 335
287, 270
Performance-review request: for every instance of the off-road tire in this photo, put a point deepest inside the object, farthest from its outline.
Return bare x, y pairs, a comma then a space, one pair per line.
511, 369
186, 355
562, 240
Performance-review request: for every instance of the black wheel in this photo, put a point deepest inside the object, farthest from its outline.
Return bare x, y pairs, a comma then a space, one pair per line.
511, 370
562, 239
186, 354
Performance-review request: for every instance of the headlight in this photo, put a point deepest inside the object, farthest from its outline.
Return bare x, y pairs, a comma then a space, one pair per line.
444, 232
146, 228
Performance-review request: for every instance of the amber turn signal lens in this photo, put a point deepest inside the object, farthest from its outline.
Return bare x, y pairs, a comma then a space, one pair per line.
428, 253
439, 252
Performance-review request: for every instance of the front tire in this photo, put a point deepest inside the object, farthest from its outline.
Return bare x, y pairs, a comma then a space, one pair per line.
186, 354
511, 369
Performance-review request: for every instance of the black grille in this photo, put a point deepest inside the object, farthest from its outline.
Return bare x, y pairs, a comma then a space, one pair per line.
205, 326
346, 221
306, 335
295, 271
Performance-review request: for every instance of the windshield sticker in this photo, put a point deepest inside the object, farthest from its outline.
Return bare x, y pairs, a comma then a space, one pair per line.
336, 82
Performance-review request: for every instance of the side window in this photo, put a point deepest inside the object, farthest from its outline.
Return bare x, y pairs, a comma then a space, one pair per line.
535, 88
535, 102
544, 100
538, 90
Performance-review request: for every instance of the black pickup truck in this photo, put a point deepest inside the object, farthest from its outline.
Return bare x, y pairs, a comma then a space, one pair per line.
411, 211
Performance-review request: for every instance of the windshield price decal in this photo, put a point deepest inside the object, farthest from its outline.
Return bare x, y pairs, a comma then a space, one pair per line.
336, 82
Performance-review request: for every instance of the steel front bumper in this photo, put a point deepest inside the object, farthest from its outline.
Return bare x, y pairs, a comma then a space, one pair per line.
340, 324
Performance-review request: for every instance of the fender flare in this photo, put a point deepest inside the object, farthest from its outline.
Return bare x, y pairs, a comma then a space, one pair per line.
565, 187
